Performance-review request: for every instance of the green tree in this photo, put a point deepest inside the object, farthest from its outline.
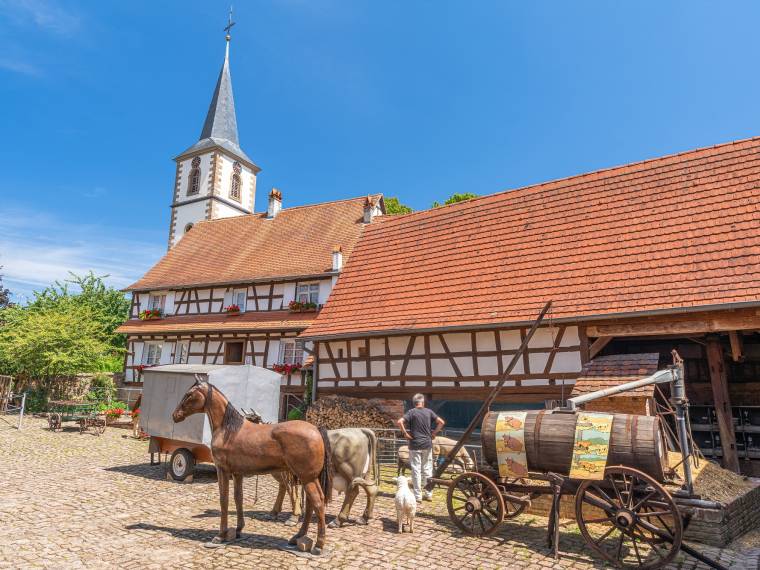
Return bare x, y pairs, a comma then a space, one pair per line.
5, 294
393, 207
56, 340
456, 197
107, 306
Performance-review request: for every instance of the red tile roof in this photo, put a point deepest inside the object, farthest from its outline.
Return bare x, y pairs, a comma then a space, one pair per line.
608, 371
680, 231
297, 242
249, 321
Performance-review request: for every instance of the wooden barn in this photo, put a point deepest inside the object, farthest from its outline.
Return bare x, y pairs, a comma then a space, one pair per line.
638, 260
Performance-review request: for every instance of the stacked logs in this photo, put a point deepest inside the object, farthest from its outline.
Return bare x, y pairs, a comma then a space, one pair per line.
335, 412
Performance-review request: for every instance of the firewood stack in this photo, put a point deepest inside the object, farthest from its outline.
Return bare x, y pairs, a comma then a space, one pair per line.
334, 412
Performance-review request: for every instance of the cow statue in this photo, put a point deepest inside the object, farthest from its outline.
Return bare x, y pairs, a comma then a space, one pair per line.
441, 448
354, 455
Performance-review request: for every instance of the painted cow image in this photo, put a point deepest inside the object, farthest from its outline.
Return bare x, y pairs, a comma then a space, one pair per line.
354, 460
512, 443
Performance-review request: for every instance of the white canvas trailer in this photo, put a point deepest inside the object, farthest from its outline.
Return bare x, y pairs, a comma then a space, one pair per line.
188, 442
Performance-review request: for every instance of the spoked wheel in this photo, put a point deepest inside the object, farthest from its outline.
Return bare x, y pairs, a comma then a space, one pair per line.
54, 421
475, 504
629, 519
513, 509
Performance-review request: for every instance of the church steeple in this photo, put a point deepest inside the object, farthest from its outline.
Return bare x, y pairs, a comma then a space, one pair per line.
215, 178
221, 122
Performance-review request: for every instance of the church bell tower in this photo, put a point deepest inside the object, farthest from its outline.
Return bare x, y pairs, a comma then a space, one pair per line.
215, 178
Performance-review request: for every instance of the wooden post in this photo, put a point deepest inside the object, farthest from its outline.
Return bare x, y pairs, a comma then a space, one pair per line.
722, 402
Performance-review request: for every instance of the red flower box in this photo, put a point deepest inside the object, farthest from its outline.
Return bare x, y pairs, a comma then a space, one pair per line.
287, 368
232, 310
299, 307
151, 314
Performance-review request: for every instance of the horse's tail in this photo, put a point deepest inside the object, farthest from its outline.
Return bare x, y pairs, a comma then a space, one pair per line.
326, 475
372, 438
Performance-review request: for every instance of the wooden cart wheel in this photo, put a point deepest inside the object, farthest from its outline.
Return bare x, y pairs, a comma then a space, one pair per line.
54, 421
629, 519
475, 504
513, 509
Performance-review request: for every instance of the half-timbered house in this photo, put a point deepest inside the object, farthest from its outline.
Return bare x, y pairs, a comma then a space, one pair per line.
237, 287
637, 259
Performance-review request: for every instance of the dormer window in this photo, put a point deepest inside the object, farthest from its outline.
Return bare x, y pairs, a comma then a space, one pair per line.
157, 301
308, 293
235, 182
194, 181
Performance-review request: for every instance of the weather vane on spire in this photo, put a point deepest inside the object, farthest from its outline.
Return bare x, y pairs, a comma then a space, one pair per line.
230, 23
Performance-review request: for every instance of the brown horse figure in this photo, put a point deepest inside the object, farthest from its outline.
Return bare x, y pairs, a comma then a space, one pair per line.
242, 448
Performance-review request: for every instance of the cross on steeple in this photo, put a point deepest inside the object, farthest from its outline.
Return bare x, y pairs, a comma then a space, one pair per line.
230, 23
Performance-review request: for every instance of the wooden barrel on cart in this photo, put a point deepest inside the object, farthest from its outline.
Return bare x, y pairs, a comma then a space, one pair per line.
635, 441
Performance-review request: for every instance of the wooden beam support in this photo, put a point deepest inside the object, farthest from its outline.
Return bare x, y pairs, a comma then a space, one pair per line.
737, 346
681, 325
598, 345
722, 403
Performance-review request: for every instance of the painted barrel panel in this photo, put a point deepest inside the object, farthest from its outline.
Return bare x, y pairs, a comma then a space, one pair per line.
636, 441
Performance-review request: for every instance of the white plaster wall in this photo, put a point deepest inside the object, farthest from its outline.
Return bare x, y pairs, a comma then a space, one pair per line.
222, 210
247, 183
564, 362
187, 166
188, 214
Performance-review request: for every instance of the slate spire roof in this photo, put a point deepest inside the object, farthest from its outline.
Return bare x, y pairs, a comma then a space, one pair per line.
220, 126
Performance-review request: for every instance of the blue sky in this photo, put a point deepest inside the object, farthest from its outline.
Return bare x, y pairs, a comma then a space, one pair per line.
341, 98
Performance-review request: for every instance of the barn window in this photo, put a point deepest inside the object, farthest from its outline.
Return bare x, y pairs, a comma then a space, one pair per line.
182, 352
157, 302
291, 352
152, 353
233, 353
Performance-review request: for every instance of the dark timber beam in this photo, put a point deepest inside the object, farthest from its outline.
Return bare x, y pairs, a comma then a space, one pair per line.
598, 345
722, 402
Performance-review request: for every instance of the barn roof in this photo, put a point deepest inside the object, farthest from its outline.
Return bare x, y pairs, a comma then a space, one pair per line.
297, 242
614, 370
679, 232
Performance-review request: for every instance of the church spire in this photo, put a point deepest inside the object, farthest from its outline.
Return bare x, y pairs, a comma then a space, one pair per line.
221, 122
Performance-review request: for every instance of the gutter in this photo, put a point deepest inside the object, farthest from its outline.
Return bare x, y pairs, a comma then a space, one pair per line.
517, 324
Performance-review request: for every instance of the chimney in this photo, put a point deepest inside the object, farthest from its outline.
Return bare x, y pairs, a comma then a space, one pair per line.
275, 203
369, 209
337, 258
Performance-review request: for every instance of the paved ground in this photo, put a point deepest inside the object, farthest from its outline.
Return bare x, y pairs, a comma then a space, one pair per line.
73, 501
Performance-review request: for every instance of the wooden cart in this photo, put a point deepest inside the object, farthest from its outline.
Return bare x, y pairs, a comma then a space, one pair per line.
626, 515
85, 414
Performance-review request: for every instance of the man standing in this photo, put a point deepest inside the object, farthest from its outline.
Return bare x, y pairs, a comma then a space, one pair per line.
417, 427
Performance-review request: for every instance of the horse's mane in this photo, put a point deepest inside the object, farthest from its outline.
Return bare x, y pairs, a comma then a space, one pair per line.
232, 420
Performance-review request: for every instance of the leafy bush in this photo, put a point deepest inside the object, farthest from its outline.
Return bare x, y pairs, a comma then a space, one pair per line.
295, 414
102, 388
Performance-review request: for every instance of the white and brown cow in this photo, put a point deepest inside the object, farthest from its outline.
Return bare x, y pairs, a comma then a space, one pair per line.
354, 456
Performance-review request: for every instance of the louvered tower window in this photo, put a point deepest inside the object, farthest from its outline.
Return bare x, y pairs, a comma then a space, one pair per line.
235, 183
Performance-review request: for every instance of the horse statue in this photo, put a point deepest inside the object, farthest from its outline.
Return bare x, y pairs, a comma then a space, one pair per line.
241, 448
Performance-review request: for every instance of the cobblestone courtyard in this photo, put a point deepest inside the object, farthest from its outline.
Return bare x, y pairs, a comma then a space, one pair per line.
73, 501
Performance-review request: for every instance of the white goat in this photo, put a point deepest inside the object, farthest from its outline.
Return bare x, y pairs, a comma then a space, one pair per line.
406, 504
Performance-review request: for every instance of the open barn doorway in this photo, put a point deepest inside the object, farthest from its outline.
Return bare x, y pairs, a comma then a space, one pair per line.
734, 357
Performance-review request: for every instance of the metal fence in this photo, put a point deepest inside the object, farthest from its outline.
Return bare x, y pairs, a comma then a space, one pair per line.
390, 440
10, 402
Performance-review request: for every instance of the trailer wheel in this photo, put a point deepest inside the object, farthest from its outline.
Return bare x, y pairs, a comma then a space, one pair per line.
181, 464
